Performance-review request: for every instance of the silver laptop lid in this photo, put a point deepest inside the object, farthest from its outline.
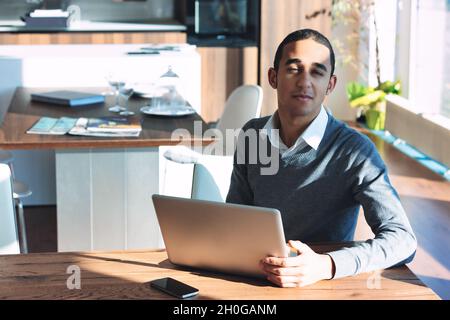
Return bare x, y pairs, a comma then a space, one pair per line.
219, 236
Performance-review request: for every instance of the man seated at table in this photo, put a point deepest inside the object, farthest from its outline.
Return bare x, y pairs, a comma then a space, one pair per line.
325, 172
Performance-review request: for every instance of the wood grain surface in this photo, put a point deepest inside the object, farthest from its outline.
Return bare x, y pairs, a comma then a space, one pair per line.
126, 275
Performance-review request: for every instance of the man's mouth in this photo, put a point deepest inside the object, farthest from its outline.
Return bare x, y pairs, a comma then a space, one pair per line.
302, 97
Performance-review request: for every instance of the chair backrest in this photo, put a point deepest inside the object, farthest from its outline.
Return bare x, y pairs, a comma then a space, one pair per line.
9, 240
242, 105
211, 178
176, 167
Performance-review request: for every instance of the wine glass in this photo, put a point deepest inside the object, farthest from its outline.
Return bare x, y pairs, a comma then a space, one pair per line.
126, 91
116, 83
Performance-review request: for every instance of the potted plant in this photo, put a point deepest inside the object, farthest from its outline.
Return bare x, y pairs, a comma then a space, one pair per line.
372, 101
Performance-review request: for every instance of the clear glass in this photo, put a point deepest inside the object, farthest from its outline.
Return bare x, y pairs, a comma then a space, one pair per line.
126, 91
116, 83
167, 95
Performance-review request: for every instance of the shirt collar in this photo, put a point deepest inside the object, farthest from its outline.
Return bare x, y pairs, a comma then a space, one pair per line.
312, 135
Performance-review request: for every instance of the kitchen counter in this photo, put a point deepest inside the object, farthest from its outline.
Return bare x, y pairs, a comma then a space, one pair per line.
17, 26
84, 65
103, 185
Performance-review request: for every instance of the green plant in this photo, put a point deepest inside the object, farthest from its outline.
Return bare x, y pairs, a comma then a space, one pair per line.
367, 97
372, 101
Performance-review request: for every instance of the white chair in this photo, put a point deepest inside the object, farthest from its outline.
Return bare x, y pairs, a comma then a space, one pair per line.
189, 174
211, 178
176, 170
20, 191
243, 104
9, 239
177, 163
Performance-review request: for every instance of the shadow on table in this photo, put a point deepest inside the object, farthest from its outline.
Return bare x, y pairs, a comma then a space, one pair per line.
260, 282
440, 286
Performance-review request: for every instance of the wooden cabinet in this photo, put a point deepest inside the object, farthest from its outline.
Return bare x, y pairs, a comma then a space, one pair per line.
92, 38
223, 70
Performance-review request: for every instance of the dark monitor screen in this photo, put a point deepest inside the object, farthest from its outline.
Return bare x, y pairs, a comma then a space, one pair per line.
221, 16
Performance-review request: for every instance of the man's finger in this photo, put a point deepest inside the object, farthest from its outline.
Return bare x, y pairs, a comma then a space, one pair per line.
282, 262
283, 280
284, 285
289, 271
299, 246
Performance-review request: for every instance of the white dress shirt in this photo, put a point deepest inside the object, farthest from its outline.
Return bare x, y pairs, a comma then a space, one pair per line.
312, 135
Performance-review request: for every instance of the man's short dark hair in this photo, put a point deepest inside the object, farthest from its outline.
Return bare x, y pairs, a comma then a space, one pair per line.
304, 34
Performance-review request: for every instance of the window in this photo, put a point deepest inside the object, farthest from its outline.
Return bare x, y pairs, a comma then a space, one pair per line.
423, 54
445, 109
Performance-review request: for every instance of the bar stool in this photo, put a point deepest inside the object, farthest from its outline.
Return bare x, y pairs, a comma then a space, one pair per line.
20, 191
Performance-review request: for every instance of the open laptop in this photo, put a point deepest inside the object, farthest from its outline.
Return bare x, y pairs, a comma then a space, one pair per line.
219, 236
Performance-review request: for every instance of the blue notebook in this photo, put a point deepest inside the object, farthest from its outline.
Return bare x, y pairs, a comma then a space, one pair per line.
68, 98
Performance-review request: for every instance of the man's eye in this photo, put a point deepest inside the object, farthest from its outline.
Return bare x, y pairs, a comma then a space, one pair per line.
317, 73
292, 70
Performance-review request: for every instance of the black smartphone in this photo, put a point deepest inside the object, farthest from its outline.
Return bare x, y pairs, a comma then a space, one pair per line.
143, 52
174, 287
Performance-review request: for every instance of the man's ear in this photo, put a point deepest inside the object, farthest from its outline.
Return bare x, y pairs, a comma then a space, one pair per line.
272, 75
331, 84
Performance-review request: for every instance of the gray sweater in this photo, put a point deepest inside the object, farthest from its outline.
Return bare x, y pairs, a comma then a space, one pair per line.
319, 194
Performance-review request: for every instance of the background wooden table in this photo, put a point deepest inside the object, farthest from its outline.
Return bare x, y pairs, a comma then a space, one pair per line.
24, 113
126, 275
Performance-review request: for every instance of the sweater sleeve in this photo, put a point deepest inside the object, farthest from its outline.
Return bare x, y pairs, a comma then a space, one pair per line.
394, 242
240, 191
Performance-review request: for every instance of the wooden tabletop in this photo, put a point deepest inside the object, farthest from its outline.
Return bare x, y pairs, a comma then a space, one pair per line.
126, 275
23, 113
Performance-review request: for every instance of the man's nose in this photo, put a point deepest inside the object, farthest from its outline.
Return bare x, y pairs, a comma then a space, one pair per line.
304, 80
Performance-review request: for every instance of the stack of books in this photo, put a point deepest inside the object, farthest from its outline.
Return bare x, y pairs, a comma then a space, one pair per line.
106, 127
47, 19
94, 127
68, 98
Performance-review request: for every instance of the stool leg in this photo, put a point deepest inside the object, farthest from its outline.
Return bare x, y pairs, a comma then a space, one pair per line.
22, 227
12, 171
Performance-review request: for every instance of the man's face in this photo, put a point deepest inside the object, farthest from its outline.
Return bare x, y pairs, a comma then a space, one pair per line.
303, 78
